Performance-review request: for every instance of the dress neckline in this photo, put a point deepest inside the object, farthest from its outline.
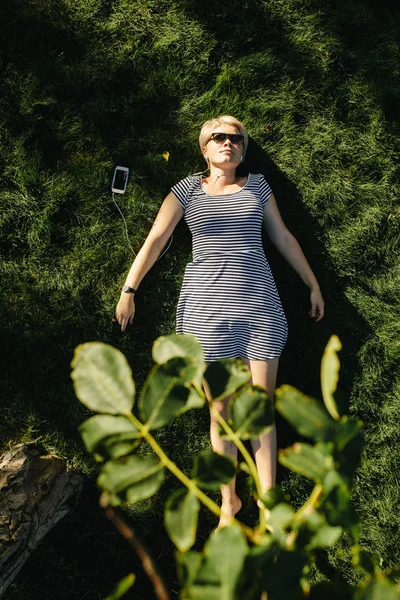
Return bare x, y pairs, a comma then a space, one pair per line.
230, 193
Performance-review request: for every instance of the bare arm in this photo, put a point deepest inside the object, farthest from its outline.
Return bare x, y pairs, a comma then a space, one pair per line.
290, 249
168, 216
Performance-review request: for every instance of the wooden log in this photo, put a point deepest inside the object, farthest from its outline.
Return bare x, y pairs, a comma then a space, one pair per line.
36, 491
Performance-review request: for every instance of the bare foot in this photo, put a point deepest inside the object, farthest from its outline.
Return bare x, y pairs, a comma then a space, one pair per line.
229, 508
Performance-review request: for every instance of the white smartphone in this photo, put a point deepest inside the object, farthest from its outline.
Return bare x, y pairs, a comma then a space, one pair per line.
120, 180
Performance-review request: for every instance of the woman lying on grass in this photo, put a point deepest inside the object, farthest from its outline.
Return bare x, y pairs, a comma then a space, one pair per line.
228, 299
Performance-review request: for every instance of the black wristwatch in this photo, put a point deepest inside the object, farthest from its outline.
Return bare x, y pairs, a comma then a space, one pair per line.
128, 290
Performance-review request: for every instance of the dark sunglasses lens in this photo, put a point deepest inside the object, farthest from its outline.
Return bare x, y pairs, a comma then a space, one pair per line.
218, 137
235, 138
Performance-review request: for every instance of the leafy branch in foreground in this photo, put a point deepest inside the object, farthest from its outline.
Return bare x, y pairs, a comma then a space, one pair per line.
276, 556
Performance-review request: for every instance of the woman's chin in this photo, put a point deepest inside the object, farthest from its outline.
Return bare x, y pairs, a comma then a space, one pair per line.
227, 162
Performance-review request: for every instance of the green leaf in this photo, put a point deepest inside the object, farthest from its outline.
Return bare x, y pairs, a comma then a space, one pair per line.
165, 393
188, 564
325, 537
305, 414
310, 461
250, 583
177, 345
379, 590
181, 367
334, 480
103, 379
271, 568
251, 412
349, 444
281, 516
223, 559
336, 503
315, 531
225, 376
180, 518
195, 400
330, 366
348, 430
275, 495
186, 346
107, 436
132, 479
211, 470
123, 586
364, 560
281, 573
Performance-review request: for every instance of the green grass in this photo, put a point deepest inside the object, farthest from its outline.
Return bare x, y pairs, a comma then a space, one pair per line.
88, 85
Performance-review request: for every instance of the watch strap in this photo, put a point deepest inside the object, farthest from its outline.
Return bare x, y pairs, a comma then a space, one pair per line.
128, 290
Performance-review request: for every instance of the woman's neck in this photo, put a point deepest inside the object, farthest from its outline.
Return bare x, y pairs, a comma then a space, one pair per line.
221, 176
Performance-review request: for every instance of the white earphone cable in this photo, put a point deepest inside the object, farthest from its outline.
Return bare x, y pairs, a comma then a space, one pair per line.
127, 234
126, 227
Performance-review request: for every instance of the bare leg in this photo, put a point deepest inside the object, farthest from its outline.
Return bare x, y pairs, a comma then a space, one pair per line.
231, 504
264, 374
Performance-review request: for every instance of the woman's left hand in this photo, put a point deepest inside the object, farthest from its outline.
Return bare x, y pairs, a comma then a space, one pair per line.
317, 304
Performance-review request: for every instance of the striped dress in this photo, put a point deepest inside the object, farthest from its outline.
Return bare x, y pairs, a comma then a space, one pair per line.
229, 299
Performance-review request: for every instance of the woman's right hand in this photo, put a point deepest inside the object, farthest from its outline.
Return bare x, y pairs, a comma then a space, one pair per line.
125, 310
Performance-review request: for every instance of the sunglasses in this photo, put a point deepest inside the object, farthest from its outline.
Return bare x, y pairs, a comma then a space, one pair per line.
219, 138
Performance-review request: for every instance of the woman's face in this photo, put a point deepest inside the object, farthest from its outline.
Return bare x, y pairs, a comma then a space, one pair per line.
223, 154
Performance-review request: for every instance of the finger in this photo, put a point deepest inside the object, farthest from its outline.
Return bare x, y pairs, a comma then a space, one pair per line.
131, 320
123, 324
321, 313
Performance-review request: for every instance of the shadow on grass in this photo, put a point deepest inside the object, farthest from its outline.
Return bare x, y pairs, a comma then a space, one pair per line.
300, 362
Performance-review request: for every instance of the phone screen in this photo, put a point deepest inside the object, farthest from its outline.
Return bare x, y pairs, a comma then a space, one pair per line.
120, 179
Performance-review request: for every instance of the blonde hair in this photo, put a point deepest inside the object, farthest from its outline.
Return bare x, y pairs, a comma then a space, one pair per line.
209, 125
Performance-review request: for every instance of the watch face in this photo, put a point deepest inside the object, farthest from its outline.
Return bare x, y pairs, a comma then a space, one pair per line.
126, 288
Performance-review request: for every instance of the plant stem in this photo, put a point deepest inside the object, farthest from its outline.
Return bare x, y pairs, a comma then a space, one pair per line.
309, 504
306, 509
191, 485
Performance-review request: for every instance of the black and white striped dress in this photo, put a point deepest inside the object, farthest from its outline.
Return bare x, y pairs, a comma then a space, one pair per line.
229, 299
